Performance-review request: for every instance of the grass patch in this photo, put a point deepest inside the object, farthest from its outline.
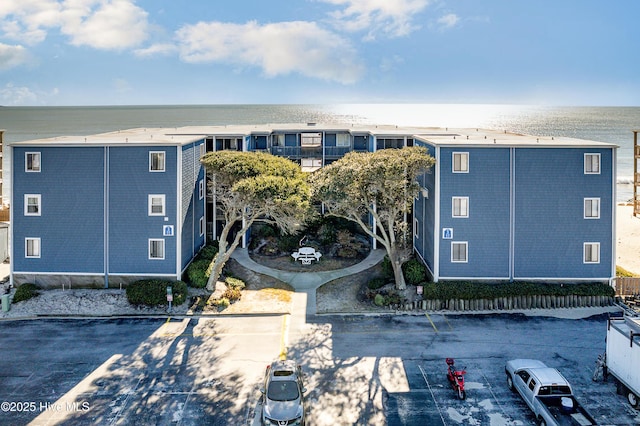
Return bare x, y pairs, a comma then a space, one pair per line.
279, 294
621, 272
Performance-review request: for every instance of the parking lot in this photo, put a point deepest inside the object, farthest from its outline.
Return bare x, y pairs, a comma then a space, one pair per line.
360, 370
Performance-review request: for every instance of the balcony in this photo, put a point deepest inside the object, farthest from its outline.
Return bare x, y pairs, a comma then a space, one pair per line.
297, 152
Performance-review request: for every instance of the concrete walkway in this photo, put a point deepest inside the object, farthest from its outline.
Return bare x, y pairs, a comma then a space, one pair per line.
307, 282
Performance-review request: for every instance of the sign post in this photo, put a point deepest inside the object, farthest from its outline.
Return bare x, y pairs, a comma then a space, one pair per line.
169, 297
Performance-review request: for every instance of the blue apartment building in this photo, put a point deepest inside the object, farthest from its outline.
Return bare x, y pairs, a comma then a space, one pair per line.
106, 209
499, 206
111, 208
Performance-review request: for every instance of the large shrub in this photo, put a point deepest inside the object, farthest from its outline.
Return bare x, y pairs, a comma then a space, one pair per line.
414, 271
154, 292
208, 252
197, 273
387, 269
25, 292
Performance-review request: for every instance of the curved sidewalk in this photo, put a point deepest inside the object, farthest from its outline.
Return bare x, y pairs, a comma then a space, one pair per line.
307, 282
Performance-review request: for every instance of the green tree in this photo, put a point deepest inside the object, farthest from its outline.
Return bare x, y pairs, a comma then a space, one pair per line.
250, 187
380, 185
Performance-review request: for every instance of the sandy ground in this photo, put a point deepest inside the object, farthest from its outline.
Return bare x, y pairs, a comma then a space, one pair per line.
628, 239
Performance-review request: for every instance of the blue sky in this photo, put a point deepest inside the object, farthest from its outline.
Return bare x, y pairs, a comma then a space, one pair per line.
116, 52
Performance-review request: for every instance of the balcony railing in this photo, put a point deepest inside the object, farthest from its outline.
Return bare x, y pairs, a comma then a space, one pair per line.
333, 152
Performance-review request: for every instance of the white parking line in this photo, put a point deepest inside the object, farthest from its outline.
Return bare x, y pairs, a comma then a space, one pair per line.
424, 376
494, 395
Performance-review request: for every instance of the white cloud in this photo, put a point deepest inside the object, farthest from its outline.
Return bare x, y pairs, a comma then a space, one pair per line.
12, 95
278, 49
159, 49
12, 56
393, 18
447, 21
101, 24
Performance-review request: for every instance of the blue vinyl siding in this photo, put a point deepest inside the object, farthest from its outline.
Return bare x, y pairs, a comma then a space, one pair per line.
192, 206
487, 228
71, 222
424, 212
549, 226
130, 225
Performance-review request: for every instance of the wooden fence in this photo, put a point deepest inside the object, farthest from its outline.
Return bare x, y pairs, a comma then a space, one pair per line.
627, 286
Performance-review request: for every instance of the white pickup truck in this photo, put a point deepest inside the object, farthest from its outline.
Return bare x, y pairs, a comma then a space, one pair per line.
547, 393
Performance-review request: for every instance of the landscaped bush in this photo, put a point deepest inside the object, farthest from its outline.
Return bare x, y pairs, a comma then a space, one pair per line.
387, 269
414, 271
25, 292
154, 292
376, 283
209, 251
289, 243
235, 283
473, 290
197, 273
221, 303
232, 294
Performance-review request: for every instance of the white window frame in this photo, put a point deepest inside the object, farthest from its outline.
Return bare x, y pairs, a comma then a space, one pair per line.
588, 163
36, 244
466, 251
38, 205
343, 140
151, 204
593, 246
415, 228
462, 155
202, 226
462, 202
592, 208
32, 169
164, 161
151, 242
201, 189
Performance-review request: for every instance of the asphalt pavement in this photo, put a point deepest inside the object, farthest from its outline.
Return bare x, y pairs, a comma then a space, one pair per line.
360, 370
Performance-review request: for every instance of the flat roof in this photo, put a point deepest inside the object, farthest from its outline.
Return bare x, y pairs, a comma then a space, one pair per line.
432, 135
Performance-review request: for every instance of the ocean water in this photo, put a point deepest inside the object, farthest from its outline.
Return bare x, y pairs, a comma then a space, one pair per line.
606, 124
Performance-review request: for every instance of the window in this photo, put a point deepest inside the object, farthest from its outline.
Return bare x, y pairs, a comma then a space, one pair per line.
32, 205
343, 139
415, 228
156, 161
592, 208
460, 162
460, 207
591, 164
32, 247
156, 204
201, 189
156, 249
532, 384
202, 226
591, 252
459, 251
32, 162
